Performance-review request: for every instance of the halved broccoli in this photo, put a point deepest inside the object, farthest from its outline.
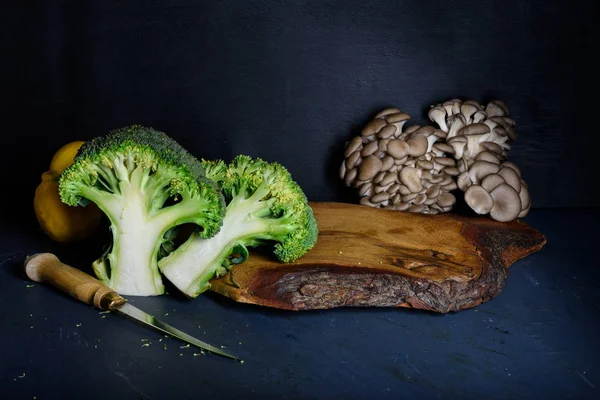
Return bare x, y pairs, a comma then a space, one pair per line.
147, 184
265, 206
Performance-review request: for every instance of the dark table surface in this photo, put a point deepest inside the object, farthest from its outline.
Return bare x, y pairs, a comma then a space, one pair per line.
539, 338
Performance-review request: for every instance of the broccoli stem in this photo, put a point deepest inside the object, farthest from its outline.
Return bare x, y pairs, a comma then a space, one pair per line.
137, 234
191, 266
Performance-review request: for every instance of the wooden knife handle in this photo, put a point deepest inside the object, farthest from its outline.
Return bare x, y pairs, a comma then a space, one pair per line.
47, 268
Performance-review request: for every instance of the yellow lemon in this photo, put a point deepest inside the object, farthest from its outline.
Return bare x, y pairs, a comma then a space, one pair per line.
59, 221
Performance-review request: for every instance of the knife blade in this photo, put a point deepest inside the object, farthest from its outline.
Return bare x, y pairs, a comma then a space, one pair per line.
47, 268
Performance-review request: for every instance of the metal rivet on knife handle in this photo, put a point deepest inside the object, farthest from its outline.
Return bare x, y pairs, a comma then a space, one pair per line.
47, 268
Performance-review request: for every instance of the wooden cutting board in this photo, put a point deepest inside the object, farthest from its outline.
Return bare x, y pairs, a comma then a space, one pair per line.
383, 258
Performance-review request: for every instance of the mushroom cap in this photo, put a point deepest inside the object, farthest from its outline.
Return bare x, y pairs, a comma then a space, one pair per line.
480, 169
426, 130
446, 199
411, 178
496, 108
493, 147
452, 171
350, 176
425, 164
507, 204
524, 196
410, 129
353, 160
369, 168
387, 111
440, 133
433, 191
511, 177
491, 181
488, 156
474, 103
373, 127
403, 190
445, 161
369, 149
352, 146
463, 181
513, 166
397, 148
524, 209
443, 147
502, 105
387, 131
474, 129
457, 139
397, 117
417, 145
479, 199
387, 163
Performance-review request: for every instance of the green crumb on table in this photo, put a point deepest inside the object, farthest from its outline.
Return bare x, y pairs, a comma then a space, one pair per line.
144, 340
197, 354
146, 345
78, 325
104, 312
160, 340
31, 327
180, 354
104, 316
30, 286
339, 251
164, 346
166, 314
184, 347
22, 375
31, 315
241, 361
239, 342
95, 346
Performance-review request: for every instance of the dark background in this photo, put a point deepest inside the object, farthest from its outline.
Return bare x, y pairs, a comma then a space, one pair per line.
293, 80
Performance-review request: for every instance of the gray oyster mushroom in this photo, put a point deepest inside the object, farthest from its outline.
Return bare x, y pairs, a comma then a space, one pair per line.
416, 168
407, 168
501, 183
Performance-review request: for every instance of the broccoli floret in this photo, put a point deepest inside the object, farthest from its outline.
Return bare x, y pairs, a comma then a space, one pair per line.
265, 207
147, 184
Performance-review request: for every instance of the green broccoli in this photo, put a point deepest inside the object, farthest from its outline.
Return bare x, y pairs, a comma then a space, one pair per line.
147, 185
265, 206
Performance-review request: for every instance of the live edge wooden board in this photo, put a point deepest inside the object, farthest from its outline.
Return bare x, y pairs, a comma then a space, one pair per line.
368, 257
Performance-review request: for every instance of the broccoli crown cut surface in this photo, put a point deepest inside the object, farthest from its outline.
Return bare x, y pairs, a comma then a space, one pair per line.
147, 184
265, 207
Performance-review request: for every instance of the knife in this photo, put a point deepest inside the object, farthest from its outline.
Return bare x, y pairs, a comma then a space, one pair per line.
47, 268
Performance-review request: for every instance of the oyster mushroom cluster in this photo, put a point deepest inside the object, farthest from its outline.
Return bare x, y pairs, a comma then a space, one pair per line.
401, 168
423, 168
480, 136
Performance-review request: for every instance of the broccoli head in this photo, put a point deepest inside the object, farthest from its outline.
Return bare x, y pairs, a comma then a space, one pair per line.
265, 207
147, 184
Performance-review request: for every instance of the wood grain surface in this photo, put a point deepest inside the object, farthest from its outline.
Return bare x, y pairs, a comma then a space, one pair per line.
382, 258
